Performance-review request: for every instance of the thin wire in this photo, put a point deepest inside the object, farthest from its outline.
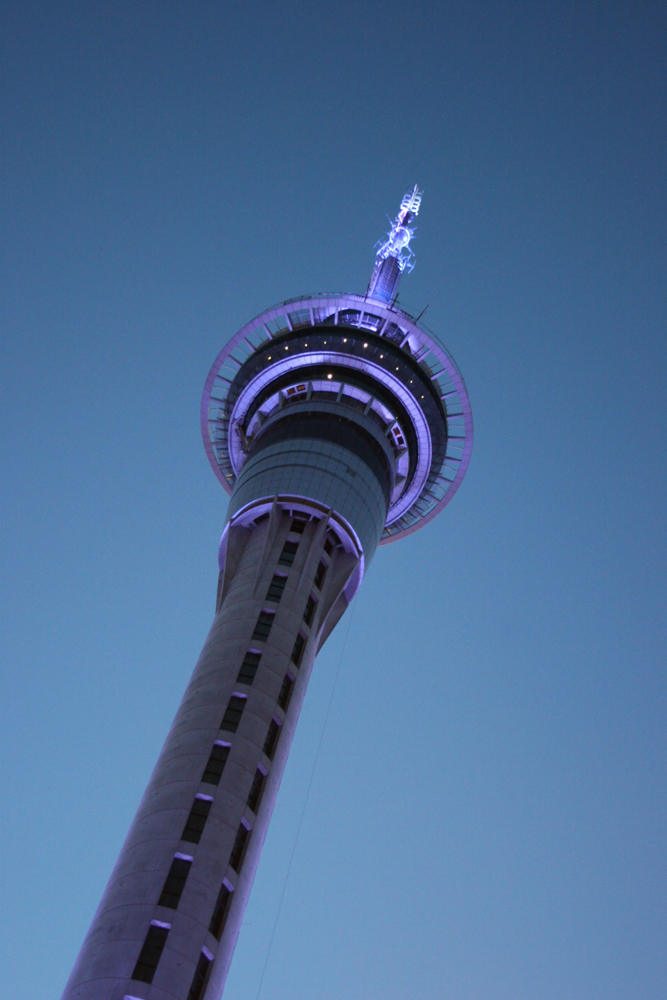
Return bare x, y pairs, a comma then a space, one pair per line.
305, 801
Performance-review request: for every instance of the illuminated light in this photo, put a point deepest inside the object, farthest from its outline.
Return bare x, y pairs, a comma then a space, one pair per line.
365, 345
345, 340
329, 376
396, 367
382, 355
269, 358
287, 348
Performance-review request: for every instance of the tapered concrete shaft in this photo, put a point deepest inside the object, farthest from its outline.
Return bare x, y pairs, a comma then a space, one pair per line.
219, 875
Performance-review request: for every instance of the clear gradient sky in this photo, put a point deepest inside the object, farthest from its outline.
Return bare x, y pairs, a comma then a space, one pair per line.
487, 817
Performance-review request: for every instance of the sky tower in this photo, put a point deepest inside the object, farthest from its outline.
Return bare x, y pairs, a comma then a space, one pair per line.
336, 423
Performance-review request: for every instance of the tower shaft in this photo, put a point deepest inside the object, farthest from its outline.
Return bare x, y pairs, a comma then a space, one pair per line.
171, 913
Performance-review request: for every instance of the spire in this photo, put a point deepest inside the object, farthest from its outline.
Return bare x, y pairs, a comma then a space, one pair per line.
394, 255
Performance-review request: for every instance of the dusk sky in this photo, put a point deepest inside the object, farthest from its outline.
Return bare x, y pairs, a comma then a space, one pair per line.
487, 816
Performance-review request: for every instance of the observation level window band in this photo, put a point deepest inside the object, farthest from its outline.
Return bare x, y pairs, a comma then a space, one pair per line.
255, 375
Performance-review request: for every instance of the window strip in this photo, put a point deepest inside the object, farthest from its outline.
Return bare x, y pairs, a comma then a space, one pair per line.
151, 952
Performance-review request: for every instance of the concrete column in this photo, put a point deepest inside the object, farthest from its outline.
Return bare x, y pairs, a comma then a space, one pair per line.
106, 964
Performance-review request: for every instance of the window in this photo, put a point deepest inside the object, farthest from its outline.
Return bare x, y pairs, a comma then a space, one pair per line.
286, 692
288, 553
298, 524
201, 975
239, 848
201, 807
271, 739
232, 717
310, 610
175, 882
249, 668
220, 912
263, 626
256, 790
320, 574
151, 952
297, 652
216, 764
328, 546
275, 591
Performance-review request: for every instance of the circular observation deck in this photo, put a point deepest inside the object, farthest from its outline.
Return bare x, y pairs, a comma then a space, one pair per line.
343, 352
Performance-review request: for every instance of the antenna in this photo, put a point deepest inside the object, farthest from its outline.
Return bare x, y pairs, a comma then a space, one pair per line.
411, 201
394, 255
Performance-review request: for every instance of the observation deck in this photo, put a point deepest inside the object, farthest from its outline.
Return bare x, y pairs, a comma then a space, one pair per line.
359, 359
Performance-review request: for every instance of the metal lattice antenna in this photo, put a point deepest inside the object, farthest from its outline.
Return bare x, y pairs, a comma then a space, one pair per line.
394, 255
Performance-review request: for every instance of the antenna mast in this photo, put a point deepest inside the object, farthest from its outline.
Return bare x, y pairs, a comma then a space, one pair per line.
394, 255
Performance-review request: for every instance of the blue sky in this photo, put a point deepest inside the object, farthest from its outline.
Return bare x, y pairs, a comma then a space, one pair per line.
487, 813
